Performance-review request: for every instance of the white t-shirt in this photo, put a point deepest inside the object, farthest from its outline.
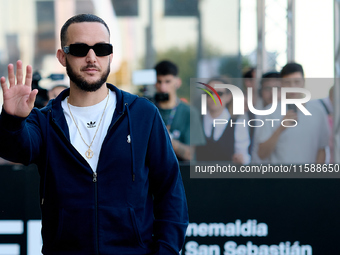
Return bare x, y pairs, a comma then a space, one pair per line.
298, 144
88, 119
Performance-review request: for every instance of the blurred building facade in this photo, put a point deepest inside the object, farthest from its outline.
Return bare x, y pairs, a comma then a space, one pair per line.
192, 33
30, 32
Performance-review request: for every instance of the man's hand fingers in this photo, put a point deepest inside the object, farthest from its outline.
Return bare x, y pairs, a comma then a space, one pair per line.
19, 72
31, 98
11, 76
3, 84
28, 79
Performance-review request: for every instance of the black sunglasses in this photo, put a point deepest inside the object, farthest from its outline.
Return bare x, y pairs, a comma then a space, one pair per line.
81, 49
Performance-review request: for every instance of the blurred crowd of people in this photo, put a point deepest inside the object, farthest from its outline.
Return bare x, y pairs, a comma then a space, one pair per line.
197, 137
307, 140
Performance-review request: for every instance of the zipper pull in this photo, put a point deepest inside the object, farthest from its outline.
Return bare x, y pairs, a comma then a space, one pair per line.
94, 177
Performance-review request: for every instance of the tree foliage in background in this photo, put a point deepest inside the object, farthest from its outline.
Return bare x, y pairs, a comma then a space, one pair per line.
229, 65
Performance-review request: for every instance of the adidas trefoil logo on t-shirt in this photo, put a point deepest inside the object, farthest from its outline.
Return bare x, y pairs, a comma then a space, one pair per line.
91, 124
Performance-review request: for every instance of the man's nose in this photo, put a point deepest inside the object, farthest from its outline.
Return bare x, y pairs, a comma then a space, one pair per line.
162, 87
91, 56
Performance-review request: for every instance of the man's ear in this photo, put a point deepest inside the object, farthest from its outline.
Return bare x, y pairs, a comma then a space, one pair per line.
61, 56
179, 83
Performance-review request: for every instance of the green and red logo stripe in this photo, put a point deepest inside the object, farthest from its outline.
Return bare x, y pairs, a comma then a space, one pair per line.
213, 90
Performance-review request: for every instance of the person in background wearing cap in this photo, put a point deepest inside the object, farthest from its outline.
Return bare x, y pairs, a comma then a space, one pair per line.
56, 90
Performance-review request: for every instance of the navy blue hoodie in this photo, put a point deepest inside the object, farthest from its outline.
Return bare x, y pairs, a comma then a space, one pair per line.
135, 205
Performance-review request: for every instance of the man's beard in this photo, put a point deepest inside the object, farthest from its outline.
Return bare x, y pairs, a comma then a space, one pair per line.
82, 83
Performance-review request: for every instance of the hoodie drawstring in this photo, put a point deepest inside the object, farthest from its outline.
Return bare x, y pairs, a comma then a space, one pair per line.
131, 140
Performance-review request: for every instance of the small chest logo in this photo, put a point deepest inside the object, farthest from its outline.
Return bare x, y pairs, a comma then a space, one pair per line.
91, 124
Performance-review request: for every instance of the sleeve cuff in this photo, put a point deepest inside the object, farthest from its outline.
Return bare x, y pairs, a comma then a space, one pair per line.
10, 122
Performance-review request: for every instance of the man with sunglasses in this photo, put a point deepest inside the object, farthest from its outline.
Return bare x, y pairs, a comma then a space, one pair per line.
110, 181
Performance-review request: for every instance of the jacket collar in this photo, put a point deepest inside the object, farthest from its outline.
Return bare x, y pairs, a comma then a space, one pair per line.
124, 99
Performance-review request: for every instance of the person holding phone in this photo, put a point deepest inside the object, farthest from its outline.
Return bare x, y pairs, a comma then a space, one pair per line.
304, 142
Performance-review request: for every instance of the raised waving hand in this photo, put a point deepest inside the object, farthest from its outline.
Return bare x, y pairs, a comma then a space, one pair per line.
19, 97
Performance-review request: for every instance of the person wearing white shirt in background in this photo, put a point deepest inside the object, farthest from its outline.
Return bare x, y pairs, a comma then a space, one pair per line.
303, 143
225, 142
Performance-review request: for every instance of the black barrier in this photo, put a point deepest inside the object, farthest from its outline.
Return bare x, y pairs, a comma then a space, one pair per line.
227, 216
19, 207
262, 216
